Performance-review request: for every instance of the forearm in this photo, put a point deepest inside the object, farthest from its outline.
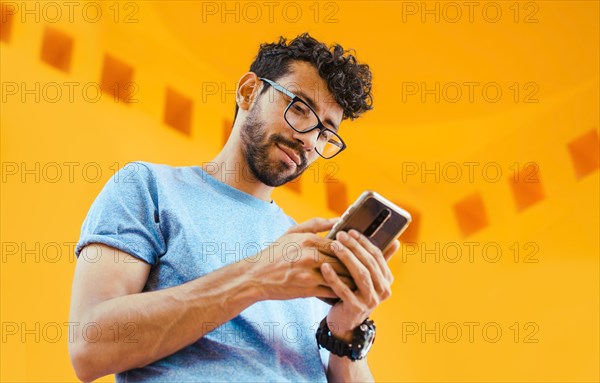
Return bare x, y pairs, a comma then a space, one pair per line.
342, 369
162, 322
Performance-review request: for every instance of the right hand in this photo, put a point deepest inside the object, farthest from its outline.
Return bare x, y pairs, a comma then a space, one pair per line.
290, 267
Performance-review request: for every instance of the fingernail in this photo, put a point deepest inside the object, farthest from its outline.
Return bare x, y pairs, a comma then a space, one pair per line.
354, 233
342, 236
336, 245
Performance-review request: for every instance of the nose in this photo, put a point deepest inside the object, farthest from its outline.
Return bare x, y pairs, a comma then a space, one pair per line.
308, 139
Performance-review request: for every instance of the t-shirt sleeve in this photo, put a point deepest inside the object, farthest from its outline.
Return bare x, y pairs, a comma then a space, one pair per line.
125, 215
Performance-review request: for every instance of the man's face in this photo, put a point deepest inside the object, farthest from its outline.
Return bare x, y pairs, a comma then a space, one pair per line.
276, 153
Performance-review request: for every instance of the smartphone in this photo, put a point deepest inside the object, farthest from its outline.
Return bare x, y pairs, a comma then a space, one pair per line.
375, 217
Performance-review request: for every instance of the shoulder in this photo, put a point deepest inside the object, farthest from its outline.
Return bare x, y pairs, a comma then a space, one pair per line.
147, 168
155, 171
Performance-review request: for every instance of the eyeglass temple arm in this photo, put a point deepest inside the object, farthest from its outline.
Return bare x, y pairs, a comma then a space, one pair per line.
278, 87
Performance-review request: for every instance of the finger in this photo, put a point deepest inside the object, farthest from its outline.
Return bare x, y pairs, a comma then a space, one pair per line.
358, 271
315, 225
325, 247
338, 287
346, 279
391, 249
371, 258
339, 267
376, 253
325, 292
348, 282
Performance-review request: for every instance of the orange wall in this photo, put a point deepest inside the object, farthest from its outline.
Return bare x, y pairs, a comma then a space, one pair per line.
504, 187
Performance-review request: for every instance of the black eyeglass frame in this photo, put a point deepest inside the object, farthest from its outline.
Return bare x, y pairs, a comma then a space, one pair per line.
319, 124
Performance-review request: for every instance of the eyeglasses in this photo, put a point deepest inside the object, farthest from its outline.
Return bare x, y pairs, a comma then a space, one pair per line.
303, 119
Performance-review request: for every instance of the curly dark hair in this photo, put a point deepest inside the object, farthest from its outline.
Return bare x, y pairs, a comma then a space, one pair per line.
347, 80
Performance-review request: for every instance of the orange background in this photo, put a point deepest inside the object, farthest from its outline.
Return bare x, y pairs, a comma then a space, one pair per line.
175, 62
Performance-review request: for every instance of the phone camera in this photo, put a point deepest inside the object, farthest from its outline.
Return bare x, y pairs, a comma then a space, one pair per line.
377, 222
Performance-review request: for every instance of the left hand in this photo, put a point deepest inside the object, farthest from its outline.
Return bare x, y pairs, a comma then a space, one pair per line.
369, 269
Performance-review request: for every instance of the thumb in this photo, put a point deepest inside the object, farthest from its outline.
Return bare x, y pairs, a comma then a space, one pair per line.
315, 225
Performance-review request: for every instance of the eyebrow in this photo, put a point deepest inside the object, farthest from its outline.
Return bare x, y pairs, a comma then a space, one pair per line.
310, 101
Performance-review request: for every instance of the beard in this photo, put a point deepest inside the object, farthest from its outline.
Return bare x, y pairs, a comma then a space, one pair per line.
257, 145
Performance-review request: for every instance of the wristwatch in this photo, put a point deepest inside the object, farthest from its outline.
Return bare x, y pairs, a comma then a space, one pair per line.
362, 340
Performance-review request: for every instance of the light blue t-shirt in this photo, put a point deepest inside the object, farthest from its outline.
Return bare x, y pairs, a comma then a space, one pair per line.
185, 224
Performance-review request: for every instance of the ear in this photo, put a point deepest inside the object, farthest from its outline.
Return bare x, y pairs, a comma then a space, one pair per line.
247, 90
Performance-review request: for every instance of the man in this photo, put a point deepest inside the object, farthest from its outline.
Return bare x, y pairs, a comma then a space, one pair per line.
195, 274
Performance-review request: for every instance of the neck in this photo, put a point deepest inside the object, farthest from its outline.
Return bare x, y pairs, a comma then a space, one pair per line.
230, 167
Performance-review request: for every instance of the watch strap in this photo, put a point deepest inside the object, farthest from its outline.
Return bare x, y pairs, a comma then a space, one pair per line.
326, 339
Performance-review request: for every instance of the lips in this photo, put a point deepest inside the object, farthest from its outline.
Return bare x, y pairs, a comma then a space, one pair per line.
290, 153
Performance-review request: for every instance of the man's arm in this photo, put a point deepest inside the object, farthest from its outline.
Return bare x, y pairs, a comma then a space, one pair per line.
139, 328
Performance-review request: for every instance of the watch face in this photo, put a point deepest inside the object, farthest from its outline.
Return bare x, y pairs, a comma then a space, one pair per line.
361, 349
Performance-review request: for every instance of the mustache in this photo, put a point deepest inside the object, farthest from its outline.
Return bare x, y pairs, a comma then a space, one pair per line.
296, 147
